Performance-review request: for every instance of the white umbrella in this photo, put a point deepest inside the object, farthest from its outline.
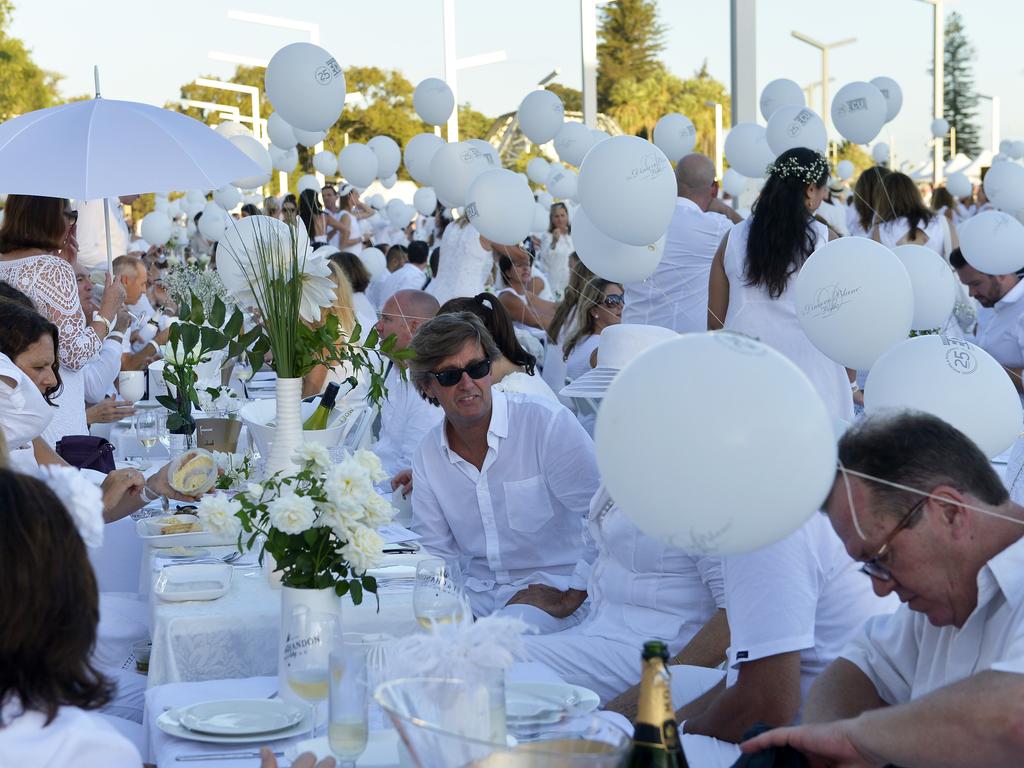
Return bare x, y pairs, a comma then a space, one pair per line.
103, 148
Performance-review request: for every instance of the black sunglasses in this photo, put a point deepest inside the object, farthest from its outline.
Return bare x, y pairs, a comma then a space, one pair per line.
449, 377
614, 300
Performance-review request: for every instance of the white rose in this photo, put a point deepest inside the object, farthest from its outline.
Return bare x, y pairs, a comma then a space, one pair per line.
378, 511
371, 463
340, 519
363, 549
291, 513
254, 491
312, 453
348, 485
218, 514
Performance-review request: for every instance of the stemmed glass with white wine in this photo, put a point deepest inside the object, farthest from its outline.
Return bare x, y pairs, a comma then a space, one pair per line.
348, 715
437, 596
307, 653
147, 430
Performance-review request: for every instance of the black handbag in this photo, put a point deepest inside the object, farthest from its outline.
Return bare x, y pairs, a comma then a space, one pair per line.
87, 452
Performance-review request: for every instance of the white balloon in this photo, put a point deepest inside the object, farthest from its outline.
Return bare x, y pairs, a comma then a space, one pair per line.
325, 162
280, 133
258, 153
880, 153
358, 164
563, 182
398, 213
953, 379
390, 181
309, 139
375, 262
611, 259
854, 301
627, 186
308, 181
454, 167
693, 409
425, 201
156, 228
675, 135
195, 196
600, 135
433, 101
500, 205
486, 147
1006, 146
229, 128
792, 126
389, 155
959, 185
192, 207
892, 93
934, 286
1004, 186
858, 112
174, 210
227, 197
939, 127
541, 218
540, 116
572, 142
734, 182
1000, 158
213, 222
1016, 150
284, 160
537, 169
780, 93
306, 86
747, 150
419, 151
237, 259
993, 242
845, 169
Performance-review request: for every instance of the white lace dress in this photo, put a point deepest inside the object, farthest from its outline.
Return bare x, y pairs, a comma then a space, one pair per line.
464, 266
50, 282
554, 261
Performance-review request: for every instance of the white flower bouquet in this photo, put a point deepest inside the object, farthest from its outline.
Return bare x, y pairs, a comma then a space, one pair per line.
319, 524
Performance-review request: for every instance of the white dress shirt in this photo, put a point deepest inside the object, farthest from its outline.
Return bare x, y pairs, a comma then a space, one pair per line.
406, 277
519, 520
99, 374
676, 295
75, 737
405, 418
1002, 335
907, 657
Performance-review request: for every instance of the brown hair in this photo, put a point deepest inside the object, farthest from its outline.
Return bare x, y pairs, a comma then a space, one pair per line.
20, 328
444, 336
592, 295
900, 198
46, 644
31, 221
354, 269
942, 198
579, 275
865, 194
498, 323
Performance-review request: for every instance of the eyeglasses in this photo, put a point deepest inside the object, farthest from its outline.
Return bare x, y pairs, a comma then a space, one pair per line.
72, 215
615, 300
872, 566
449, 377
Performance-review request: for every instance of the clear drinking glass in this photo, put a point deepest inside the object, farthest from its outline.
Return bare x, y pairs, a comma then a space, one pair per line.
349, 697
307, 655
437, 596
147, 429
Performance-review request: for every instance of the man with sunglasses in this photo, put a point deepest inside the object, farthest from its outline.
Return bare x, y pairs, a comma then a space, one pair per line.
941, 681
503, 484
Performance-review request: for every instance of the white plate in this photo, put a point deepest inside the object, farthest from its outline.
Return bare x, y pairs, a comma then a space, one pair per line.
240, 717
192, 539
525, 702
192, 581
168, 723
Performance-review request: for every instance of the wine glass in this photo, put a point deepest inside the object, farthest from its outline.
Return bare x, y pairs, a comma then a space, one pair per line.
348, 705
307, 653
132, 385
437, 596
147, 430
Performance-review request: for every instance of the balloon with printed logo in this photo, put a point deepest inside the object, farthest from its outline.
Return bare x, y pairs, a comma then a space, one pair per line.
747, 150
959, 185
993, 242
563, 182
572, 142
389, 155
858, 112
433, 101
454, 167
780, 93
537, 169
939, 127
258, 153
611, 259
419, 152
425, 201
156, 228
792, 126
358, 164
306, 86
934, 286
309, 139
280, 133
325, 162
892, 93
1004, 186
540, 116
500, 205
846, 169
675, 135
487, 148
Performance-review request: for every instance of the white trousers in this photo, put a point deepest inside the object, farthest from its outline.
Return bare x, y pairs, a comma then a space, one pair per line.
542, 622
607, 667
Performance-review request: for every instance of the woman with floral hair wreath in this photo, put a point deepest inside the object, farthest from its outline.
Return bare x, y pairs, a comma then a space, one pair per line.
750, 288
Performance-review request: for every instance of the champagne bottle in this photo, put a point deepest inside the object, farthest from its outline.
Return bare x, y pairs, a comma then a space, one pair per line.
656, 736
318, 419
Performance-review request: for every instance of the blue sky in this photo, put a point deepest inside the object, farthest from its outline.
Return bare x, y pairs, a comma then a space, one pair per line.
147, 48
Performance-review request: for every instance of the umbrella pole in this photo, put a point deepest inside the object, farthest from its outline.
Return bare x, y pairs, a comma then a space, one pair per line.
106, 230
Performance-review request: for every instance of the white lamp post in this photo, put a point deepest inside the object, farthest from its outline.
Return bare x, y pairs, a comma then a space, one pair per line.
825, 48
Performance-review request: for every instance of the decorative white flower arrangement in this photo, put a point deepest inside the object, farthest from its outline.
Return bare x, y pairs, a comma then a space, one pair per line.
319, 524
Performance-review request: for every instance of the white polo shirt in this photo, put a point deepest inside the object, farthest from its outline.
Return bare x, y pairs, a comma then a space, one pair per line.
520, 519
907, 657
406, 277
1002, 335
405, 417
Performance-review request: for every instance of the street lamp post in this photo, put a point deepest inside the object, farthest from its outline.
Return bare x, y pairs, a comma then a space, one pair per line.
588, 63
938, 77
825, 48
994, 119
452, 64
719, 164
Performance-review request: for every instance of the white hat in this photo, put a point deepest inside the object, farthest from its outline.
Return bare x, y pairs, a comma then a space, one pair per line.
345, 189
620, 345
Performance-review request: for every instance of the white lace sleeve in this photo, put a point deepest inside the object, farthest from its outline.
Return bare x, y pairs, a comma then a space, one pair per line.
50, 282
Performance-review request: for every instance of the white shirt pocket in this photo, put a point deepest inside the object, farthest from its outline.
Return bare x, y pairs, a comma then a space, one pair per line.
528, 504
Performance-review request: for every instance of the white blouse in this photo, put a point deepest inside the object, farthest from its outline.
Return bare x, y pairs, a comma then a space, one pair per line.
74, 738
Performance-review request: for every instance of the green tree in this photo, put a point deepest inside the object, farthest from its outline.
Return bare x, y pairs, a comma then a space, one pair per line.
960, 102
473, 124
691, 97
24, 85
630, 38
857, 155
571, 97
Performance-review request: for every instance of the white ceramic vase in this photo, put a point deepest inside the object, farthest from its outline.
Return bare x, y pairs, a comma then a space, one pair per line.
288, 426
292, 600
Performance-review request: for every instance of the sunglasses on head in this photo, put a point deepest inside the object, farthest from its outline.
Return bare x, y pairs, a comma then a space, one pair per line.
449, 377
615, 300
71, 214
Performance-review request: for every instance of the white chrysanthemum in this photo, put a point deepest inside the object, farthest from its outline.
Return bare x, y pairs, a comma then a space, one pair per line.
218, 514
363, 549
371, 463
82, 498
291, 513
378, 511
318, 288
312, 453
348, 485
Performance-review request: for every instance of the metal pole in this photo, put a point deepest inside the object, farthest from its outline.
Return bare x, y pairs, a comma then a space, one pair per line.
743, 58
824, 88
588, 55
995, 124
952, 142
450, 66
937, 85
719, 147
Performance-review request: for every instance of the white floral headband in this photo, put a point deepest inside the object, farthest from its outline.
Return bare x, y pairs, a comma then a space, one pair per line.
791, 166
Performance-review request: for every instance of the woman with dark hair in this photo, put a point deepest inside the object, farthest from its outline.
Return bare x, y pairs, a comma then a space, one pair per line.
865, 205
50, 607
904, 219
250, 210
564, 322
752, 272
555, 247
359, 278
290, 209
515, 369
312, 215
522, 294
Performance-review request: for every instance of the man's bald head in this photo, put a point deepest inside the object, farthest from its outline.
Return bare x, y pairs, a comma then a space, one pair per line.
418, 305
695, 179
404, 313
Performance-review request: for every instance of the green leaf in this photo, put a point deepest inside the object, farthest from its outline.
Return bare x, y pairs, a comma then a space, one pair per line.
174, 421
196, 315
217, 312
341, 588
310, 535
189, 336
213, 340
370, 584
167, 402
231, 330
356, 589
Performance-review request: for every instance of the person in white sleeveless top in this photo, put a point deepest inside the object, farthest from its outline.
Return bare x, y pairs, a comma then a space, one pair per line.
465, 264
903, 218
523, 292
350, 234
555, 247
751, 277
564, 323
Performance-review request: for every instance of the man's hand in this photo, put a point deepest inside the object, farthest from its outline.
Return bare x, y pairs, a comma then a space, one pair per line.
123, 320
108, 410
121, 483
159, 484
829, 745
550, 600
402, 480
305, 760
139, 361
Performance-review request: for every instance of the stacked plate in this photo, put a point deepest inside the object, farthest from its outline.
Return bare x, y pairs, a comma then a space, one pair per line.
236, 721
528, 705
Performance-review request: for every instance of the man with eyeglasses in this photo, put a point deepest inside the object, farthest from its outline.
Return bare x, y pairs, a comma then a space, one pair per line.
503, 484
941, 681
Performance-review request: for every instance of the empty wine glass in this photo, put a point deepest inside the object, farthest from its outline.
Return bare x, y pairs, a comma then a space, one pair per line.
437, 596
348, 716
132, 385
307, 653
147, 430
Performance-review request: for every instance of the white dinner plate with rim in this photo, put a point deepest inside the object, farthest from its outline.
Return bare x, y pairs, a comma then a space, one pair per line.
192, 581
190, 539
240, 717
169, 724
527, 702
